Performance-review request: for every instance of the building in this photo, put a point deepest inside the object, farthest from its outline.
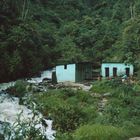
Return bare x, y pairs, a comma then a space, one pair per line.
75, 72
65, 73
116, 69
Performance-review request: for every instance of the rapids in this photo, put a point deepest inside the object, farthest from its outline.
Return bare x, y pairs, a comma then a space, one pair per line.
11, 111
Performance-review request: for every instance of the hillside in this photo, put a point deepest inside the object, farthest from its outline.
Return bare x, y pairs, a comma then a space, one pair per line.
36, 34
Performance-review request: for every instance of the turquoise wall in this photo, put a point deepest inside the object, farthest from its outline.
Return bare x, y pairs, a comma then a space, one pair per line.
68, 74
121, 68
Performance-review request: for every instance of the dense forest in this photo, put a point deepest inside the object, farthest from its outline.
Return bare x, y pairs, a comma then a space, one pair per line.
36, 34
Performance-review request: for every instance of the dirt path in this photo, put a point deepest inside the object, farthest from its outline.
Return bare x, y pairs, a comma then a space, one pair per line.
74, 85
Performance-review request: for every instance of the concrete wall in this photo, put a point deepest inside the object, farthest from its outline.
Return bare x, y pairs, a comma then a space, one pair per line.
64, 75
121, 68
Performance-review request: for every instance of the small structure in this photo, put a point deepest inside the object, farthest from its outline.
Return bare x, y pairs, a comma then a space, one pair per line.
116, 69
75, 72
65, 73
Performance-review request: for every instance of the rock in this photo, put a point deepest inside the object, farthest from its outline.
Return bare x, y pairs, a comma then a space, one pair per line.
36, 88
46, 79
39, 88
87, 87
107, 94
74, 86
45, 85
136, 138
101, 104
100, 113
96, 95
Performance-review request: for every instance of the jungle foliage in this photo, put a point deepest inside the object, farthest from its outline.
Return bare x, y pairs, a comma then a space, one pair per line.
36, 34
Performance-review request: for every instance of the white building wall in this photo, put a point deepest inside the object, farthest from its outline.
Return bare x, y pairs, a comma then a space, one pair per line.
121, 68
68, 74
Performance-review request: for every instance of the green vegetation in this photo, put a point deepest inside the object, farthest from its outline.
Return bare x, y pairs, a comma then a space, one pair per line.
101, 87
35, 34
114, 86
67, 108
20, 130
38, 34
99, 132
19, 89
78, 116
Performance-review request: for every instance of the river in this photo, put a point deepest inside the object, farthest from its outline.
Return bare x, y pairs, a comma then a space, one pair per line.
37, 79
10, 110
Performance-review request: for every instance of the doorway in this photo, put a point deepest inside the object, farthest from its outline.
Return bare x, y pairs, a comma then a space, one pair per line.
127, 71
107, 72
114, 72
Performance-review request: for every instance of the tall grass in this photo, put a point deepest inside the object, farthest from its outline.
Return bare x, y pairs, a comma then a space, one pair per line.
99, 132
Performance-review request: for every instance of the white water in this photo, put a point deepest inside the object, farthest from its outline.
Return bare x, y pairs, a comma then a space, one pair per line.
44, 74
4, 86
10, 110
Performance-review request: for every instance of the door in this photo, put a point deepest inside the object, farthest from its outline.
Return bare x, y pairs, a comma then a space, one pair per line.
107, 72
114, 72
127, 71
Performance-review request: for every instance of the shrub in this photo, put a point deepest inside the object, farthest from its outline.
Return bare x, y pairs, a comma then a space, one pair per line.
26, 130
136, 87
67, 108
115, 82
64, 136
101, 86
19, 89
99, 132
115, 87
90, 113
20, 86
1, 137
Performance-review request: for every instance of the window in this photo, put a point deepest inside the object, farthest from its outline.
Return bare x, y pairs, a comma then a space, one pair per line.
65, 66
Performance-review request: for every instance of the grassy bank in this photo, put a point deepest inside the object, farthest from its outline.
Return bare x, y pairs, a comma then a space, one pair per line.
77, 116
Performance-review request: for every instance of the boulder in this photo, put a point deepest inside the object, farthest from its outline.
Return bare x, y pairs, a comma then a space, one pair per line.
136, 138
